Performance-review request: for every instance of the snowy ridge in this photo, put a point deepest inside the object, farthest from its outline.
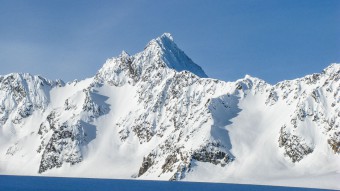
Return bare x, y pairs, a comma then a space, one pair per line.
155, 115
159, 53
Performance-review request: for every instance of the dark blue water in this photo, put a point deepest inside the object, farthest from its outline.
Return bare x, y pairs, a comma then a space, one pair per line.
31, 183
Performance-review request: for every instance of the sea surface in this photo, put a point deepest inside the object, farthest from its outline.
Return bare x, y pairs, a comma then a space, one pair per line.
34, 183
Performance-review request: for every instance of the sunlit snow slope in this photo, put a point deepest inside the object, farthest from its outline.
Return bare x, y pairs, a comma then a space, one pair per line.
156, 115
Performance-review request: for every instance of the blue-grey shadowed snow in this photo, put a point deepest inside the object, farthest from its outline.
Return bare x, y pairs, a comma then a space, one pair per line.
175, 58
90, 131
223, 109
27, 183
100, 100
104, 108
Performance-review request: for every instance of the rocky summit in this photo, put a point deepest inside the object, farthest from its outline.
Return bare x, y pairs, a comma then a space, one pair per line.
157, 115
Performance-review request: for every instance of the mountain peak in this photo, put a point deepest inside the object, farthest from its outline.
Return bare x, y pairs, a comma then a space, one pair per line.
164, 48
161, 52
164, 41
333, 68
124, 54
166, 36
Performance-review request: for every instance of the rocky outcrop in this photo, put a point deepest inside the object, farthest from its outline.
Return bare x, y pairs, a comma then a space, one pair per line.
63, 146
146, 164
334, 142
177, 161
210, 153
62, 140
294, 147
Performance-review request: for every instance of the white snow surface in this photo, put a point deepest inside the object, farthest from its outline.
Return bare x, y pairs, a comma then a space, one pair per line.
156, 115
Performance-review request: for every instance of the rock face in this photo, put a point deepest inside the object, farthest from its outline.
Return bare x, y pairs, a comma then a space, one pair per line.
158, 115
295, 148
64, 137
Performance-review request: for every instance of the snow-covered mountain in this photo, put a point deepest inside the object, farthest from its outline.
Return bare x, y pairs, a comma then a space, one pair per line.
156, 115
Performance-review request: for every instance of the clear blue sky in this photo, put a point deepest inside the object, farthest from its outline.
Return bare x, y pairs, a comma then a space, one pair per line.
270, 39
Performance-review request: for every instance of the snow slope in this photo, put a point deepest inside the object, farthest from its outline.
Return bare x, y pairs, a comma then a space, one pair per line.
156, 115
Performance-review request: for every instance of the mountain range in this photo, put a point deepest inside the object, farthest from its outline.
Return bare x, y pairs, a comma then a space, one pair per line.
157, 115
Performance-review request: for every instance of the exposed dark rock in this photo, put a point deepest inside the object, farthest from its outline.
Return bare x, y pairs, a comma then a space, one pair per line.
295, 147
169, 162
334, 142
212, 154
143, 132
63, 147
272, 98
146, 164
182, 169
